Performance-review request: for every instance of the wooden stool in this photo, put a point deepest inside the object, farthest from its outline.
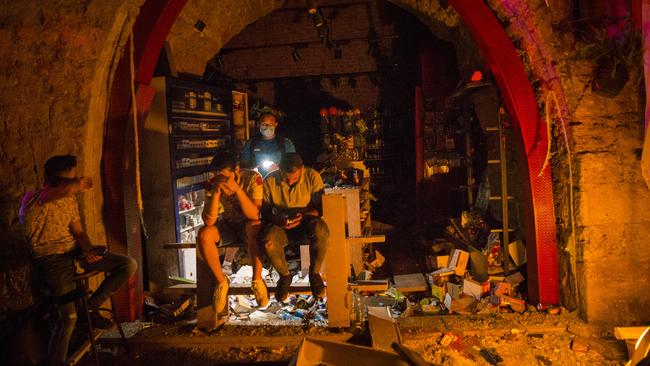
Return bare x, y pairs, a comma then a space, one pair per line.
81, 282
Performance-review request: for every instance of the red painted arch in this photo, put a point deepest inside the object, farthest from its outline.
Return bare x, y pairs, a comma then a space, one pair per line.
123, 232
157, 17
508, 70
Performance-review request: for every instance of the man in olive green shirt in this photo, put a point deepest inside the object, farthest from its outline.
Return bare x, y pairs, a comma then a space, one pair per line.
291, 210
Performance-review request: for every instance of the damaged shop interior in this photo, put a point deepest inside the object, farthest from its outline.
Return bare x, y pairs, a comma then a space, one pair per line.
481, 160
419, 146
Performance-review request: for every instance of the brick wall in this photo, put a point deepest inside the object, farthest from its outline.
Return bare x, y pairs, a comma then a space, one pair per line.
263, 49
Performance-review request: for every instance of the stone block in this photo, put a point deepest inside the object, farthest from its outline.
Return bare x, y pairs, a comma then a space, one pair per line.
601, 242
602, 204
609, 291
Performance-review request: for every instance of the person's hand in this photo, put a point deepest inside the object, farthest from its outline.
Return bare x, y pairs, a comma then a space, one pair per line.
91, 258
231, 184
221, 186
85, 183
293, 222
98, 249
95, 253
211, 185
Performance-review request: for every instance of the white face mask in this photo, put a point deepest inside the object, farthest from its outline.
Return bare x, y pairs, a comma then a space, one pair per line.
267, 132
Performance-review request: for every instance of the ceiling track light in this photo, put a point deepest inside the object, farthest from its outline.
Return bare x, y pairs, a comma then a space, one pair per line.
318, 19
323, 34
312, 7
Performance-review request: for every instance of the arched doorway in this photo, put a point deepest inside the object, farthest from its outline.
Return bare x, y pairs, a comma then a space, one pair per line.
152, 27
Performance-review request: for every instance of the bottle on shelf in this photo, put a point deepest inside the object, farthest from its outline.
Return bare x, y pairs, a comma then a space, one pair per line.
207, 101
191, 99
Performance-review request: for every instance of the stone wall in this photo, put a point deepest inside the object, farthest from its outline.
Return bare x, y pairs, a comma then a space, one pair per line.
58, 57
605, 137
192, 49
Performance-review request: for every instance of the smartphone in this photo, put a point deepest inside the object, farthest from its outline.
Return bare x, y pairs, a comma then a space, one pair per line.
98, 251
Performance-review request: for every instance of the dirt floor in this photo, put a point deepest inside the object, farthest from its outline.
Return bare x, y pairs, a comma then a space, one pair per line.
531, 338
516, 339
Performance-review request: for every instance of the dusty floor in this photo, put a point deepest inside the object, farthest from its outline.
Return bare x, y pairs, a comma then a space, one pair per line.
531, 338
517, 339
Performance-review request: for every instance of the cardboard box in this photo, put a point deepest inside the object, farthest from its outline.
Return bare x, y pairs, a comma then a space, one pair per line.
454, 290
437, 262
502, 288
438, 292
515, 278
458, 260
447, 339
413, 282
457, 305
430, 308
515, 304
494, 278
517, 252
580, 345
443, 272
475, 289
457, 264
320, 352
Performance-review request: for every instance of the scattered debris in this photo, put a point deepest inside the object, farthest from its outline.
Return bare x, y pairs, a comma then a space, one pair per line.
174, 310
319, 352
579, 345
383, 328
413, 282
447, 339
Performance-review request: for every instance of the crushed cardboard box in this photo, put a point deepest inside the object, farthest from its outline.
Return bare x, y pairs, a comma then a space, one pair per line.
457, 305
475, 289
319, 352
457, 264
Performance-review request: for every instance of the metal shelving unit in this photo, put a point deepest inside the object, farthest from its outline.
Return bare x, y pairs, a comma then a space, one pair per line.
189, 122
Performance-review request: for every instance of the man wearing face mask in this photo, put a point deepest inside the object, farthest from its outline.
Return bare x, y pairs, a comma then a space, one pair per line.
265, 150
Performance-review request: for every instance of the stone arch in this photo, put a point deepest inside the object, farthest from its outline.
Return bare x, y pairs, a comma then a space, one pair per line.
98, 110
515, 89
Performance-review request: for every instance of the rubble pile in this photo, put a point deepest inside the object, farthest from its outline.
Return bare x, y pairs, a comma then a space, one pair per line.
298, 310
466, 273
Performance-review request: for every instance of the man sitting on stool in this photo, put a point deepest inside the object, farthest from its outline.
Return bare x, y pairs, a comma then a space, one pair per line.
291, 209
53, 225
231, 213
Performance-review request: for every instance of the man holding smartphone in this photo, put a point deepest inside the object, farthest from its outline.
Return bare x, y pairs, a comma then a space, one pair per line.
291, 210
58, 240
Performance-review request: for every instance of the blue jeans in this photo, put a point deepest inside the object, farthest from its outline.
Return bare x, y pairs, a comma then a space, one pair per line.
57, 271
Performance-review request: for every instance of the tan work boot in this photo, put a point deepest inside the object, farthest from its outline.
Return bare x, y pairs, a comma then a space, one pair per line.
261, 294
220, 297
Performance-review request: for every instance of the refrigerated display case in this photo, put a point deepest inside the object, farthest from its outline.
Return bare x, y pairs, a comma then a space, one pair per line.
187, 124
